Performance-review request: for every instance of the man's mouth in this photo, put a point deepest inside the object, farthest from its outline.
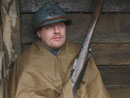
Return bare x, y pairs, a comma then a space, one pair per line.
57, 38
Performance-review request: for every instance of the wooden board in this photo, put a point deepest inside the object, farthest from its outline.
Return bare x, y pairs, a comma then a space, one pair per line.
10, 29
1, 88
111, 28
27, 34
119, 91
1, 59
1, 62
115, 75
111, 54
78, 5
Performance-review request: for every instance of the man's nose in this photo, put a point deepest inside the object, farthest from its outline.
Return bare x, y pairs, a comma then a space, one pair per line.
56, 29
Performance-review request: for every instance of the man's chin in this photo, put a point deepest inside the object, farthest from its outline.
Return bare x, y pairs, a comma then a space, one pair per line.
57, 46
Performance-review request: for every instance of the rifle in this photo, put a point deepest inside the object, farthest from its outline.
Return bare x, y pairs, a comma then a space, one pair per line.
83, 57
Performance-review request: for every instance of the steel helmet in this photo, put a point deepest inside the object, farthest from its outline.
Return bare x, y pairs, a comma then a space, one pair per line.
50, 13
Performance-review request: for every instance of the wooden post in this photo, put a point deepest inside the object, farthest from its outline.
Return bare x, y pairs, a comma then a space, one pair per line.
10, 36
1, 82
10, 28
1, 59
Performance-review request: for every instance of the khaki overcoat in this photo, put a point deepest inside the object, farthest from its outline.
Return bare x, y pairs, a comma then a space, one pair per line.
37, 73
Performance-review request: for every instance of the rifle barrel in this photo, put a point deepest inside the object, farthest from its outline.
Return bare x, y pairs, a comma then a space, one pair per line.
83, 55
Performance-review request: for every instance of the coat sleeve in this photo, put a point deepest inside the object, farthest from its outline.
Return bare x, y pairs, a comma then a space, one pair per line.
92, 85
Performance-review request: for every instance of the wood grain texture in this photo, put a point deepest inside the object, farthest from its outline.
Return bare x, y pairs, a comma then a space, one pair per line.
0, 32
1, 57
1, 86
27, 33
78, 5
111, 54
115, 75
122, 91
111, 28
10, 29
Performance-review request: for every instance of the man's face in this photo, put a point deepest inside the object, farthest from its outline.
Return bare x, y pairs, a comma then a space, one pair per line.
53, 35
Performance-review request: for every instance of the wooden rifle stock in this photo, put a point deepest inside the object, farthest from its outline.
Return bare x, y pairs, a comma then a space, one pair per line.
84, 53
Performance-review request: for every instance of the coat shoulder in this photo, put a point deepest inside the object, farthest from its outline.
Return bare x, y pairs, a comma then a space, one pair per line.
73, 46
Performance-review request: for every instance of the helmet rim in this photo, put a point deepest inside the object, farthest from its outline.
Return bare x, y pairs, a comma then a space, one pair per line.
65, 19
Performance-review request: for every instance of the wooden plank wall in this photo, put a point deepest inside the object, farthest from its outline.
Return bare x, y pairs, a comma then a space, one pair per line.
111, 41
78, 5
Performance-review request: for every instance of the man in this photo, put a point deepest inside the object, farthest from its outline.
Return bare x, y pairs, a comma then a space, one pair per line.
44, 69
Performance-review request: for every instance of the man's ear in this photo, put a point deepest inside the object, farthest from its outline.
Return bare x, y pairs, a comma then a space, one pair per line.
38, 33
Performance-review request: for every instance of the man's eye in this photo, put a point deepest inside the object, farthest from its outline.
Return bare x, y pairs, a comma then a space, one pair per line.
61, 24
49, 26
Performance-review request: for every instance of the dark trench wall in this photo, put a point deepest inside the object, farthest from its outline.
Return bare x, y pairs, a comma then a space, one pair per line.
111, 41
